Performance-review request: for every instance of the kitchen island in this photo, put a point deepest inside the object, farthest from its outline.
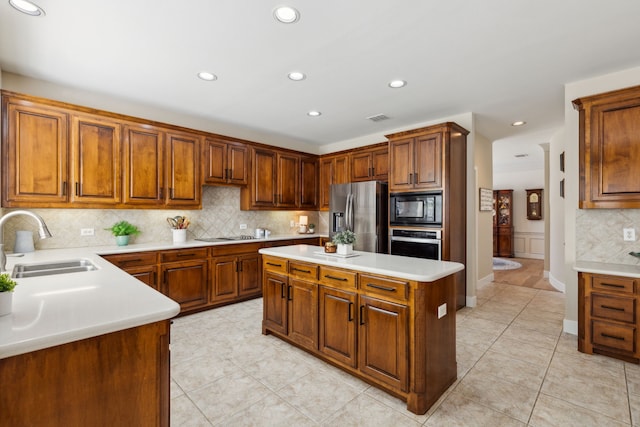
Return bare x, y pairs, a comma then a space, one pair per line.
386, 319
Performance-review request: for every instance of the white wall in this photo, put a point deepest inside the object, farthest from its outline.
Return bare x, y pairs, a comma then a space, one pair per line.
596, 218
484, 222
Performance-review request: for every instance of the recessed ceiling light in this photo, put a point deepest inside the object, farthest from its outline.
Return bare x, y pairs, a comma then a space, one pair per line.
518, 123
314, 113
286, 14
204, 75
27, 7
297, 76
396, 84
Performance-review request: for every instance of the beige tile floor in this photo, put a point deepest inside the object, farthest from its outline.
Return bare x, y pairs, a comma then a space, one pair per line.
515, 368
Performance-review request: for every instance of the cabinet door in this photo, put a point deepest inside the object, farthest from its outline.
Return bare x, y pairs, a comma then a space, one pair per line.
237, 164
308, 183
186, 283
303, 313
263, 183
95, 159
288, 181
143, 163
183, 170
147, 274
224, 278
383, 341
215, 162
35, 155
341, 170
380, 164
249, 267
326, 179
428, 161
274, 300
338, 325
361, 164
401, 164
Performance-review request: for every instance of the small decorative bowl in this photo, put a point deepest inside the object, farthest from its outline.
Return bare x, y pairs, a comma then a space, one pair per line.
330, 248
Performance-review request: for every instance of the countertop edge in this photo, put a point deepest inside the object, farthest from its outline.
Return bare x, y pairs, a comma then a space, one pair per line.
624, 270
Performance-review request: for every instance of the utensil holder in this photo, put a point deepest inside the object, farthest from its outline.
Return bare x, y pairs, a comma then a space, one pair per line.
24, 242
179, 235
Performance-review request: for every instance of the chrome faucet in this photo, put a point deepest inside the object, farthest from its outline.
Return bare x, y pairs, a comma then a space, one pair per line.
43, 232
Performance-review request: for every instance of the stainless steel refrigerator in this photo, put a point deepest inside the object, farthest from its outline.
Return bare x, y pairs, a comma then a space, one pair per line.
361, 207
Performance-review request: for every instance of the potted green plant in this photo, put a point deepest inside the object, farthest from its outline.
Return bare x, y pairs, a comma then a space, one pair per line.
345, 240
7, 285
122, 230
312, 228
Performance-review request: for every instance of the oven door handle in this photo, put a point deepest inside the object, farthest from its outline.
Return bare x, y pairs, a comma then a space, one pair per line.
415, 240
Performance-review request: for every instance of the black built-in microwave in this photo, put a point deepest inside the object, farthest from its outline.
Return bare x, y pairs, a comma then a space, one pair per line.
420, 209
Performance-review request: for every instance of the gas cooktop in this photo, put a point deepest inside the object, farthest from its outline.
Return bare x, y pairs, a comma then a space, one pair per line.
226, 238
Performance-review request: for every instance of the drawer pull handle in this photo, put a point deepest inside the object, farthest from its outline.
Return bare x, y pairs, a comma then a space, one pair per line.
608, 307
612, 285
342, 279
350, 318
362, 315
301, 270
132, 260
612, 337
382, 288
274, 264
186, 255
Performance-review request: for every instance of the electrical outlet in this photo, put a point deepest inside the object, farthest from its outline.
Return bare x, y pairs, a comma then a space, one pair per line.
629, 234
292, 224
243, 226
442, 310
87, 231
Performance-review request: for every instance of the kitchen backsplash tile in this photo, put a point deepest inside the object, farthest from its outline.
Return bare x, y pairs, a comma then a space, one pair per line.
220, 216
599, 235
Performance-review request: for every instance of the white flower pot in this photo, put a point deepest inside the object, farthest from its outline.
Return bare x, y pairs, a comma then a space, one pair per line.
6, 302
345, 249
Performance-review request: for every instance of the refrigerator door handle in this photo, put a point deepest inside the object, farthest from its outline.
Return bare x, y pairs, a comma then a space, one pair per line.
349, 213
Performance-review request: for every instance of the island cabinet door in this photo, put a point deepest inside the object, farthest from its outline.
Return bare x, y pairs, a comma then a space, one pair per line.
383, 341
303, 312
274, 293
338, 325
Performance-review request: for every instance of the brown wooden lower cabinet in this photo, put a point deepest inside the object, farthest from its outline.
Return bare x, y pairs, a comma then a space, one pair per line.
381, 329
116, 379
608, 321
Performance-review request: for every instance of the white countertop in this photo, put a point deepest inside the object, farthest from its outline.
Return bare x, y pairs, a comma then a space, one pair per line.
58, 309
422, 270
623, 270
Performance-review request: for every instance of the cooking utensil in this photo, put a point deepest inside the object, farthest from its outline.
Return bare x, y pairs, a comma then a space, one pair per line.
172, 222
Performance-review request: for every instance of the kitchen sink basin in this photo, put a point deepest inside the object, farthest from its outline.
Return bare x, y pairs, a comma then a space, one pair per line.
50, 268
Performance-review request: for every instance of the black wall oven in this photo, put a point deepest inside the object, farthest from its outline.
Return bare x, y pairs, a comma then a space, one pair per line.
416, 209
416, 243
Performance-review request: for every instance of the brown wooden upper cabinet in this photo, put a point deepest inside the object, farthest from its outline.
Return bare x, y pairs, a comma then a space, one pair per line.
334, 169
370, 164
66, 156
277, 178
225, 162
308, 183
95, 160
415, 161
609, 161
34, 146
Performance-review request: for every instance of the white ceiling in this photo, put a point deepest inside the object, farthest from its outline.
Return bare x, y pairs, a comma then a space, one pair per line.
502, 60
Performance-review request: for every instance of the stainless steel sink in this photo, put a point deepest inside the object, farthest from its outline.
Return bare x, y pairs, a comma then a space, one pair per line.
50, 268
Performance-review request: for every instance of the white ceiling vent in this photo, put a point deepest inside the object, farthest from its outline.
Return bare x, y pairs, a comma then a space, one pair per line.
520, 155
378, 118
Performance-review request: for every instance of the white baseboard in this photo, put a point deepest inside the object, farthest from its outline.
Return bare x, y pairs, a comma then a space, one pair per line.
570, 327
472, 301
485, 280
557, 284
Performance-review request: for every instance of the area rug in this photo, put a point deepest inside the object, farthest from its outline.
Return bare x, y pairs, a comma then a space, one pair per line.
505, 264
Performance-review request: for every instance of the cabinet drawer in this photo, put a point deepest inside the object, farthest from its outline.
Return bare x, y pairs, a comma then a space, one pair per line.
183, 254
612, 335
615, 284
241, 248
338, 278
383, 286
274, 264
303, 270
613, 307
134, 259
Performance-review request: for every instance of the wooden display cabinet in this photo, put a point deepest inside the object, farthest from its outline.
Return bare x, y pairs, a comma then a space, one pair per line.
503, 223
